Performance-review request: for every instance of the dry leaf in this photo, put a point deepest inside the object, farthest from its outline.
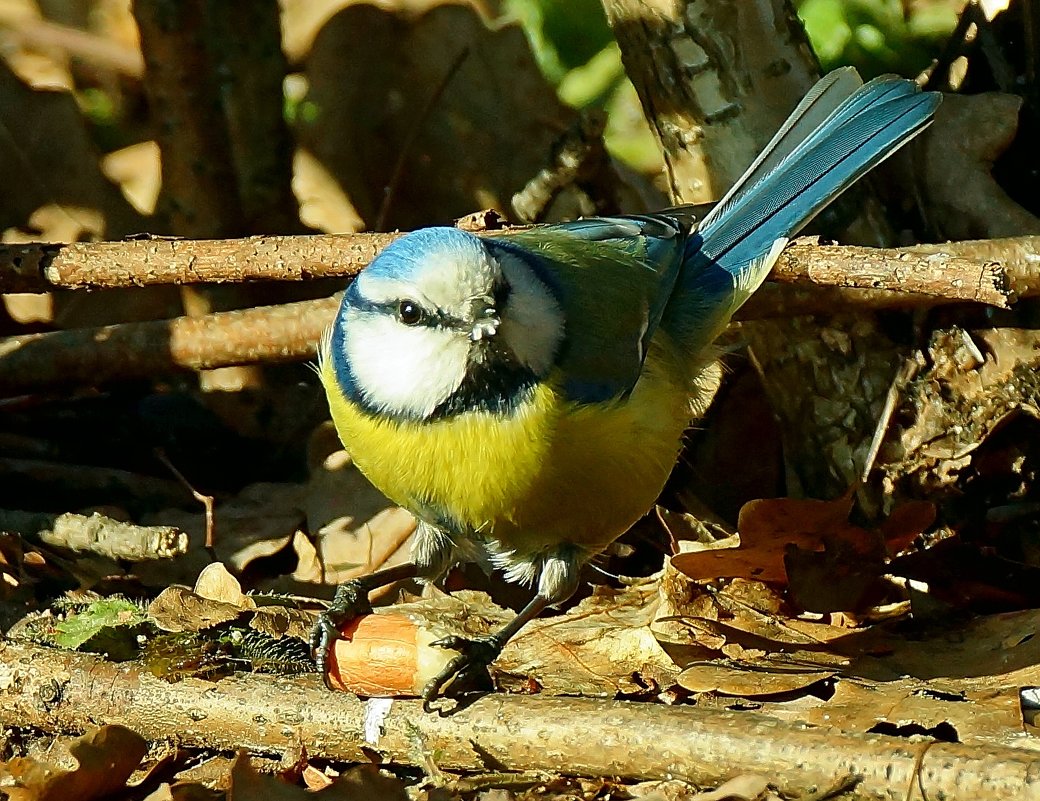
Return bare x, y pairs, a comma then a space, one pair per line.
433, 109
215, 583
217, 599
765, 527
358, 529
107, 757
748, 679
829, 563
248, 784
365, 781
50, 157
740, 788
938, 709
601, 647
969, 134
180, 609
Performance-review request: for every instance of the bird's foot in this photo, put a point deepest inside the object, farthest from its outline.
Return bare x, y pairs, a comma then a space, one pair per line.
467, 673
350, 601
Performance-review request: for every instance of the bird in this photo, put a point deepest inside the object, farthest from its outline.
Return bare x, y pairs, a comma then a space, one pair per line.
524, 394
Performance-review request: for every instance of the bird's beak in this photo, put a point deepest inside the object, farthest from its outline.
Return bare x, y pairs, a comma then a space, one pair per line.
487, 320
486, 327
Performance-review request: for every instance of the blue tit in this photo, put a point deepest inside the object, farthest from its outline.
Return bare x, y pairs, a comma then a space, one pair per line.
524, 394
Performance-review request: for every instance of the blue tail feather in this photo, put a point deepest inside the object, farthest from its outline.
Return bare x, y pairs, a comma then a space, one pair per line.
864, 130
839, 132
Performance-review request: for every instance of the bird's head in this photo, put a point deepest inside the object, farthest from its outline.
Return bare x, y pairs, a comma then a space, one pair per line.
442, 322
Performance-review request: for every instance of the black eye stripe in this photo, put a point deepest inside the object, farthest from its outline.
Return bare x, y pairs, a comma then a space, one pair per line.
392, 308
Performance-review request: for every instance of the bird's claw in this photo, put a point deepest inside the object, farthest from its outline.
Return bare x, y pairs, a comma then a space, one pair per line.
466, 673
350, 601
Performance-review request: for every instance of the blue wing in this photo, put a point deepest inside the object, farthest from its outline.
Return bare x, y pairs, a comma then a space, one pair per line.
613, 277
836, 134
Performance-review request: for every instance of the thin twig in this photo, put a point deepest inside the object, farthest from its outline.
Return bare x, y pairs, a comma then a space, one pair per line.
205, 500
99, 52
915, 776
413, 135
97, 534
899, 380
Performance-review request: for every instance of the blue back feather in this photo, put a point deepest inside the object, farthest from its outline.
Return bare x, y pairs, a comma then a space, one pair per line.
613, 277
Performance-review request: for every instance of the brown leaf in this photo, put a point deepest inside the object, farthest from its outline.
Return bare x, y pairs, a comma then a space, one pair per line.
748, 679
180, 609
365, 781
218, 598
359, 529
836, 561
929, 707
603, 646
215, 583
433, 109
248, 784
361, 782
970, 133
50, 157
906, 523
740, 788
838, 578
107, 757
190, 791
765, 527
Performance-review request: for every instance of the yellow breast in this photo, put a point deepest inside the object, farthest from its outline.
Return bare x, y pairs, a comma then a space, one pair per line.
552, 471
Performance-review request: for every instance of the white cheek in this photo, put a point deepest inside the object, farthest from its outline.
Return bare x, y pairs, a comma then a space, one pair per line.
533, 323
402, 369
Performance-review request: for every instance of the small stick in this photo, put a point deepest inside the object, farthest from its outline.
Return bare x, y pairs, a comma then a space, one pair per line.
413, 134
97, 534
205, 500
904, 374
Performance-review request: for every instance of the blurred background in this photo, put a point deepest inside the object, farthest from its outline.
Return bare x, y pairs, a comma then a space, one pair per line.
208, 120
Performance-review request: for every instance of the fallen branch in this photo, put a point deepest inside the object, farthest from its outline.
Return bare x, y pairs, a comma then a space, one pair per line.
289, 332
59, 691
956, 271
97, 534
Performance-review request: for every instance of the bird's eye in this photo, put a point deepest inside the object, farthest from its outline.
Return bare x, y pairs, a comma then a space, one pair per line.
409, 312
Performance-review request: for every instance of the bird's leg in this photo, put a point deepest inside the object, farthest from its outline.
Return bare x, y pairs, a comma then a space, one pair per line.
558, 576
351, 601
469, 670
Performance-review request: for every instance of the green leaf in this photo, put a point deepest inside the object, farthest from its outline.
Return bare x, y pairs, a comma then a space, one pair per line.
101, 616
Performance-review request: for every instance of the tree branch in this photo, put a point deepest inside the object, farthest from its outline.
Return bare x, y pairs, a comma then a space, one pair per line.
91, 356
821, 279
64, 691
953, 271
144, 262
